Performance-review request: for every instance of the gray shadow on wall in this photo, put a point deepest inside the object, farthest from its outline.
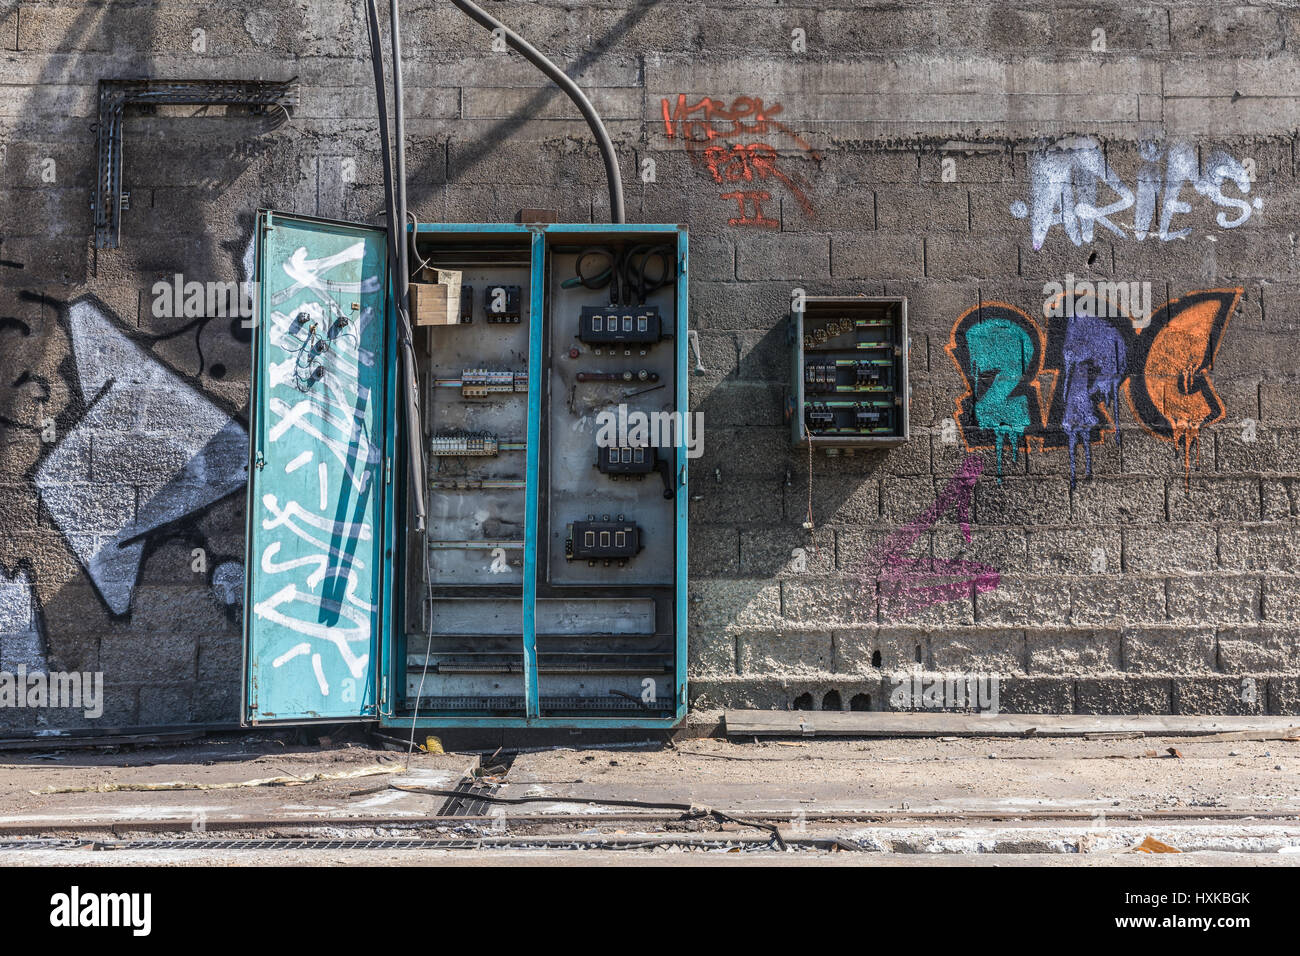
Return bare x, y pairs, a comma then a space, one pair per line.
476, 150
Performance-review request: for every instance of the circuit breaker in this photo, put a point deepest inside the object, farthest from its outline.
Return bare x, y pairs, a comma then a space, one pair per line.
849, 372
548, 587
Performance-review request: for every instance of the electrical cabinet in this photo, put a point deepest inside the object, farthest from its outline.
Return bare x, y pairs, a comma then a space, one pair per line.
548, 587
849, 372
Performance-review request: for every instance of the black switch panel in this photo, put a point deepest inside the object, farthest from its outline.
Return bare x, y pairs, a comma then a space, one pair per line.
501, 303
466, 304
625, 461
603, 540
618, 325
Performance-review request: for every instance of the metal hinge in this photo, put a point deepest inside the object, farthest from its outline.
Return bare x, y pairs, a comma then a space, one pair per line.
388, 470
260, 461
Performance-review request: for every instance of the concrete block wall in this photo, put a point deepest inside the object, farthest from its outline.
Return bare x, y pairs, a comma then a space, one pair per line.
937, 150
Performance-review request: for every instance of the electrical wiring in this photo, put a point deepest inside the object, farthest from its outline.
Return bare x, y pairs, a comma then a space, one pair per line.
617, 209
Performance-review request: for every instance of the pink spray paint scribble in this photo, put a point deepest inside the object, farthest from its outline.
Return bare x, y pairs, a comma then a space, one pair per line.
907, 584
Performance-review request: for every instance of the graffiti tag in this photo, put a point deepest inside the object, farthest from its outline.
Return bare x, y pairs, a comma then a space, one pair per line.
713, 131
1066, 178
1163, 368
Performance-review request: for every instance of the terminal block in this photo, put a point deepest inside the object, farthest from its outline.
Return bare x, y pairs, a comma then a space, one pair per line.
870, 417
614, 326
872, 374
464, 444
612, 542
819, 377
481, 382
820, 417
501, 303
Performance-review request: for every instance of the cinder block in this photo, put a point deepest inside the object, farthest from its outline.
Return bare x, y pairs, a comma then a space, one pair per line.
828, 602
1024, 601
1001, 549
1272, 450
1110, 600
731, 453
791, 653
925, 210
827, 204
1070, 653
736, 501
149, 657
999, 652
711, 652
739, 403
1219, 696
1215, 499
787, 551
744, 603
1168, 650
1035, 695
1247, 650
966, 257
1279, 402
714, 551
1017, 500
765, 355
793, 256
738, 305
1259, 547
876, 256
1281, 603
836, 500
1284, 695
171, 703
1211, 599
877, 651
1226, 30
1124, 695
1074, 551
1169, 548
1279, 499
713, 259
1106, 500
914, 603
973, 164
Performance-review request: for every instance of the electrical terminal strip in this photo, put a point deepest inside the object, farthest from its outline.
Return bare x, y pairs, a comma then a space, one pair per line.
481, 382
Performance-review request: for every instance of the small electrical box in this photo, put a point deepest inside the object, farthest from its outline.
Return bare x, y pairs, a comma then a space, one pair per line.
501, 303
849, 372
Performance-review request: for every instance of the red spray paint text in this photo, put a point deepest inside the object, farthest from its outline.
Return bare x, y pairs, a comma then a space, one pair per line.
710, 128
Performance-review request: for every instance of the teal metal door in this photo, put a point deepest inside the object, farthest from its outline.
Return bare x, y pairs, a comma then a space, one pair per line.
316, 530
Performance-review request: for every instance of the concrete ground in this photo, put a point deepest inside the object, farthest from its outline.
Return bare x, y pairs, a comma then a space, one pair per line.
910, 802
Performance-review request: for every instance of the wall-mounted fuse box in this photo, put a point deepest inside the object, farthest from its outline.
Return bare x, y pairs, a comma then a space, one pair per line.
548, 587
849, 372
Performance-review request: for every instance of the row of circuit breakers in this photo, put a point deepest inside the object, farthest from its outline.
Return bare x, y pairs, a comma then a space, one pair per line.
849, 373
609, 331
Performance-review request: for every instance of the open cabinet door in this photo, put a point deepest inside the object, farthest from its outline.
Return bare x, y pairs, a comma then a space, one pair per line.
319, 472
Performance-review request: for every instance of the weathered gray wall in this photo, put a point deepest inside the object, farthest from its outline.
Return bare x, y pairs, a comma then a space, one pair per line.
1144, 588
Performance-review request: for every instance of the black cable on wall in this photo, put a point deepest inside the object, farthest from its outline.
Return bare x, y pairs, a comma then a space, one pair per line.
617, 211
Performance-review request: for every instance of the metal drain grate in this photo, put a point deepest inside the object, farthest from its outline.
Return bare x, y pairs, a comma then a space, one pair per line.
44, 844
287, 844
